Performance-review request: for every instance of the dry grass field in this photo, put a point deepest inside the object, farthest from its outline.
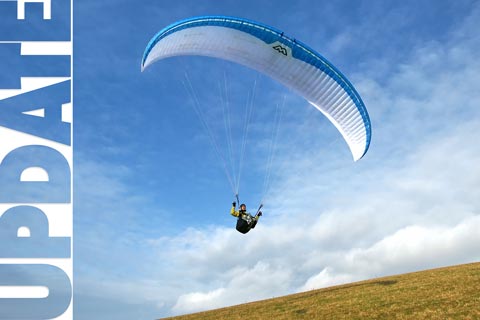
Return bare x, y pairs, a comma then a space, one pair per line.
444, 293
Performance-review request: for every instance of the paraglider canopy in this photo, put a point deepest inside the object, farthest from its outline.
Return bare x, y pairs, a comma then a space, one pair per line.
271, 52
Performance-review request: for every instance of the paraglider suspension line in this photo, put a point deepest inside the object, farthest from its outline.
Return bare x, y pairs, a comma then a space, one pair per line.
198, 110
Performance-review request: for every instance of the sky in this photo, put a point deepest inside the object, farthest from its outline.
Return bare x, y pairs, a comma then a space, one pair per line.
153, 236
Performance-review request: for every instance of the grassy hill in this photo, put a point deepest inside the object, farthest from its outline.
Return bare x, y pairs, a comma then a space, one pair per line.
444, 293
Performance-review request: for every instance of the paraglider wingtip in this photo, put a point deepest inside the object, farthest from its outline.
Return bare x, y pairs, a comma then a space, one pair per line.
143, 65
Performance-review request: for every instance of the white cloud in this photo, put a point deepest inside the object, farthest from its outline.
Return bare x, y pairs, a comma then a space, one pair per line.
195, 301
326, 278
410, 248
246, 284
417, 247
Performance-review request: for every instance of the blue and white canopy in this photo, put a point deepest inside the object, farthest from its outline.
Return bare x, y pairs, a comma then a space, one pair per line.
271, 52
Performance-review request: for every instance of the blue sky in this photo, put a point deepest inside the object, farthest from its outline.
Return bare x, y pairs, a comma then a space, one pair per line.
152, 232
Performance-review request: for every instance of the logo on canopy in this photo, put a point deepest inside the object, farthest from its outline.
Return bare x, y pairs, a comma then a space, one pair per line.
281, 49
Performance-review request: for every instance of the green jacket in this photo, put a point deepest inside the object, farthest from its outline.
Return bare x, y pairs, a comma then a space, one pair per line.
237, 214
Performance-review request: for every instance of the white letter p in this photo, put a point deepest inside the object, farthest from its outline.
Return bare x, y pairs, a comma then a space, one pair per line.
47, 9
